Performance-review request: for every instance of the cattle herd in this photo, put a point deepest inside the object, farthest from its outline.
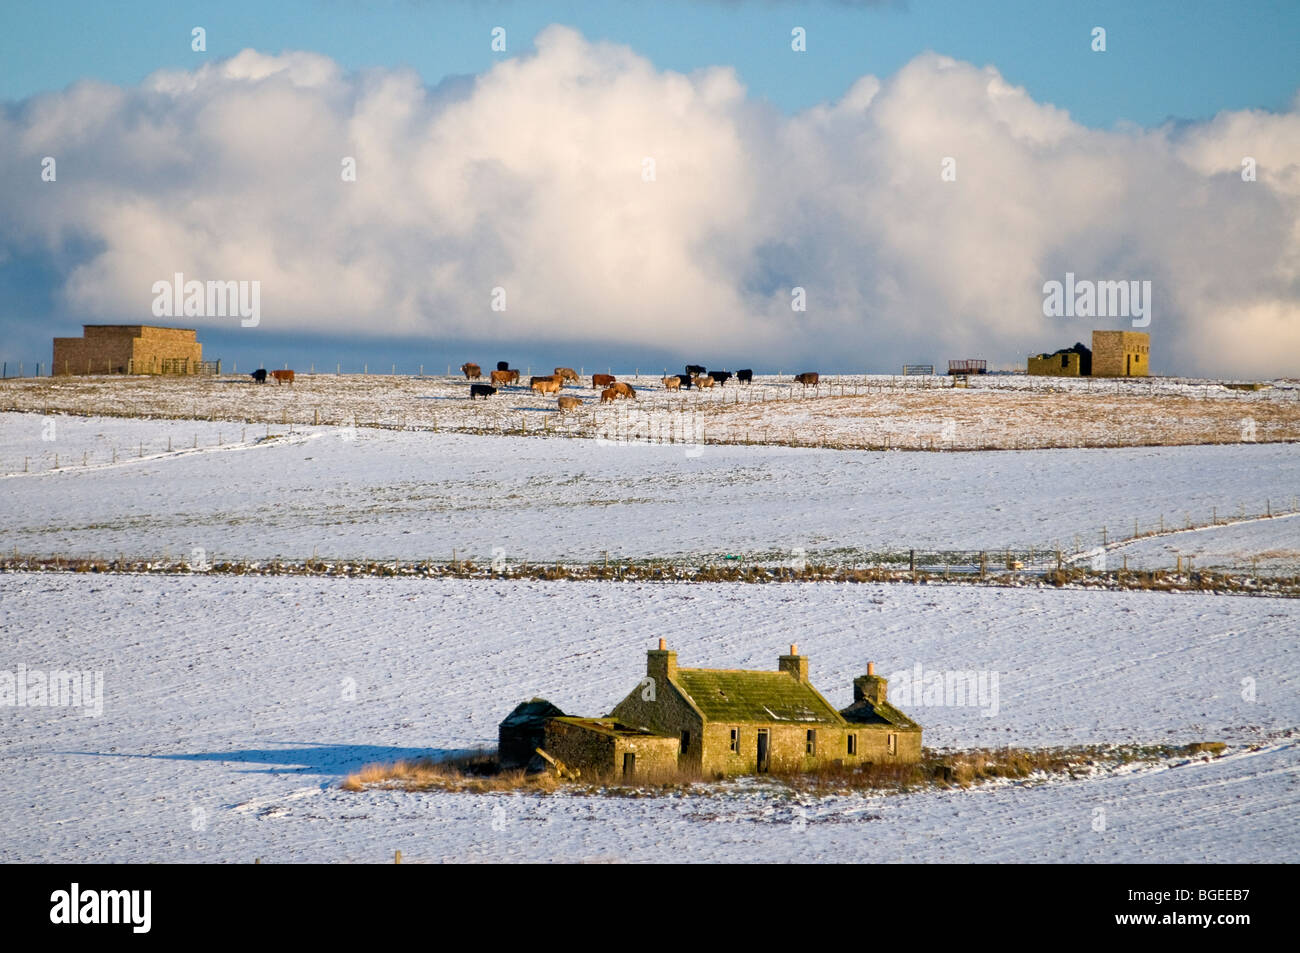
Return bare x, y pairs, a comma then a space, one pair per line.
609, 387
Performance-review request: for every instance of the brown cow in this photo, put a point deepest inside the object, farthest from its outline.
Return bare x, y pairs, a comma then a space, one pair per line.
283, 377
608, 395
672, 383
623, 390
547, 385
807, 378
601, 380
704, 381
568, 403
567, 373
502, 377
472, 372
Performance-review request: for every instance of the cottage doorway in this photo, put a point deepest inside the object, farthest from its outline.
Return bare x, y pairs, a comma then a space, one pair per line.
762, 751
629, 765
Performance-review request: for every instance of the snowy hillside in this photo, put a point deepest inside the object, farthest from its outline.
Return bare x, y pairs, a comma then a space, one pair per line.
380, 494
233, 707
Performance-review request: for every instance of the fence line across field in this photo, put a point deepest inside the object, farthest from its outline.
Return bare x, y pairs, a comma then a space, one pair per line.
1030, 565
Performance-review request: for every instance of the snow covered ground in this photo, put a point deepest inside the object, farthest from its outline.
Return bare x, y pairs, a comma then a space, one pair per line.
232, 707
360, 493
1272, 544
845, 411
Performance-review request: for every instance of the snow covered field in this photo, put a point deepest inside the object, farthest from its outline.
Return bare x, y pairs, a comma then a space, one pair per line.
359, 493
233, 707
1272, 544
845, 411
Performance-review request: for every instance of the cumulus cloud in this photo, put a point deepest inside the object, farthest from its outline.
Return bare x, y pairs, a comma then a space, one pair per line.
531, 178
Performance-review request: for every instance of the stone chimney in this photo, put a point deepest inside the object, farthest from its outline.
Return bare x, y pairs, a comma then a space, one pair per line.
661, 664
795, 664
871, 687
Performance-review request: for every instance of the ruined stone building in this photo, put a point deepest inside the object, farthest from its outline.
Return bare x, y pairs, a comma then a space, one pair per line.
723, 722
1113, 354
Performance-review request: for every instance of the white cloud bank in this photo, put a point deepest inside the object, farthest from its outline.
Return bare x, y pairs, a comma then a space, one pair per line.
529, 177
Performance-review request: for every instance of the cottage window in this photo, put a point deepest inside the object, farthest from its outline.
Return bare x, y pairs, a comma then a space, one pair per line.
853, 744
812, 741
893, 744
686, 741
735, 740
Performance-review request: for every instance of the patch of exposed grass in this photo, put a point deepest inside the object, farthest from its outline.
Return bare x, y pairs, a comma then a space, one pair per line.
477, 773
480, 773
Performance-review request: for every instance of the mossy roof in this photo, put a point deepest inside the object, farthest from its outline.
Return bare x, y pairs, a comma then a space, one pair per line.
764, 697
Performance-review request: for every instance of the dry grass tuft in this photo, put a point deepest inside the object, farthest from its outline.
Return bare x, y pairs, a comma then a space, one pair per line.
479, 772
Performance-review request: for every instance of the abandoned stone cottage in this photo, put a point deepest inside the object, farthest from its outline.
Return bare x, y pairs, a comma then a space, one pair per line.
717, 723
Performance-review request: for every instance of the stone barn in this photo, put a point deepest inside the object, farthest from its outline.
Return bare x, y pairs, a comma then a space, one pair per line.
129, 349
1121, 353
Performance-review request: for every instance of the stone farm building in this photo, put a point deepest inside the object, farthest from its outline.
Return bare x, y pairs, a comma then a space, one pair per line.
721, 722
1121, 353
1068, 362
129, 349
1113, 354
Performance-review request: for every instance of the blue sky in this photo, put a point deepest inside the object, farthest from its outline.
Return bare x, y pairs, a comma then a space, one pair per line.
226, 179
1186, 59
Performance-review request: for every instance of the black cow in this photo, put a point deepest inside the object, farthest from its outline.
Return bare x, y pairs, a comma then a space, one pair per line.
745, 376
481, 390
694, 369
720, 377
686, 381
503, 365
259, 375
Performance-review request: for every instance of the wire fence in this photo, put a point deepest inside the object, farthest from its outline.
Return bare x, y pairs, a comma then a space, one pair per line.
1103, 553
